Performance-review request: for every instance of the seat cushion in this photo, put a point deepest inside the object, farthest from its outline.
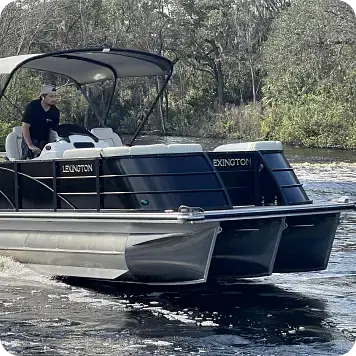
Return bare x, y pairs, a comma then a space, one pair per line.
184, 148
149, 149
115, 151
250, 146
82, 153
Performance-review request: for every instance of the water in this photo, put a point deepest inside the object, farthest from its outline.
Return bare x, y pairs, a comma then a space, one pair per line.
305, 314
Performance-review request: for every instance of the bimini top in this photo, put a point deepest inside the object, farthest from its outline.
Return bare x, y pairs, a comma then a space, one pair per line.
91, 65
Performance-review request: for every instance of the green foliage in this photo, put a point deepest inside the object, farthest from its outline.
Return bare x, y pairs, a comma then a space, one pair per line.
239, 122
279, 69
24, 88
312, 121
309, 90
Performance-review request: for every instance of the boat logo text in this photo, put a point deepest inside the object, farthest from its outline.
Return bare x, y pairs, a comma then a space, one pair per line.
232, 162
77, 168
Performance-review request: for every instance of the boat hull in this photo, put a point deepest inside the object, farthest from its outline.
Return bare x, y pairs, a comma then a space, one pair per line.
170, 248
306, 243
141, 252
246, 248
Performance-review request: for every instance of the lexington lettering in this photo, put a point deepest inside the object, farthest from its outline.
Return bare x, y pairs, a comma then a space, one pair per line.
232, 162
77, 168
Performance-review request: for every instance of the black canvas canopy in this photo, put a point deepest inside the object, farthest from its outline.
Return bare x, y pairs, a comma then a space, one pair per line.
87, 66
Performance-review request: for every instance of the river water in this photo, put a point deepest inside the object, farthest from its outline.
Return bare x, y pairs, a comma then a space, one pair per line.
304, 314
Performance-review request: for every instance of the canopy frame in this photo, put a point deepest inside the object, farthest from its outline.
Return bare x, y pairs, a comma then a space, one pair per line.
163, 63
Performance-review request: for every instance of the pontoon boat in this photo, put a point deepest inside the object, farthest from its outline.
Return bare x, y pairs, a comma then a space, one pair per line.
92, 207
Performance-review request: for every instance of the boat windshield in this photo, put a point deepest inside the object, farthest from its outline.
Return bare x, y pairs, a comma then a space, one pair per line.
66, 130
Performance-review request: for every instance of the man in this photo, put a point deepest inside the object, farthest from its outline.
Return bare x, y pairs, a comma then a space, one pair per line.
39, 117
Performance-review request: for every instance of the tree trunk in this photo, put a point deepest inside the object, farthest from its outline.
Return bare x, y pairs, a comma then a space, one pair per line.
218, 73
219, 78
166, 106
252, 80
87, 112
160, 105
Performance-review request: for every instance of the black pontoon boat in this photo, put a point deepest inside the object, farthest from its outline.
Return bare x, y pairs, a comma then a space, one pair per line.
89, 206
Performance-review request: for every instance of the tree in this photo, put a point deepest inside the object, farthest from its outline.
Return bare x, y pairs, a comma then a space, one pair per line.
309, 58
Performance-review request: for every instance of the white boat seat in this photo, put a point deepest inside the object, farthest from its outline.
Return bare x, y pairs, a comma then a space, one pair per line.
115, 151
148, 149
13, 144
184, 148
83, 152
106, 134
250, 146
53, 136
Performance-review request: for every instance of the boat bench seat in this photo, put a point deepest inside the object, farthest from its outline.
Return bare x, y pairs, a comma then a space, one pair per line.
83, 152
250, 146
134, 150
150, 149
159, 148
131, 151
115, 151
184, 147
108, 135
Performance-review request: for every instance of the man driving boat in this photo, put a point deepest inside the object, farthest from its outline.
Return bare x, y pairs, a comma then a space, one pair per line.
40, 116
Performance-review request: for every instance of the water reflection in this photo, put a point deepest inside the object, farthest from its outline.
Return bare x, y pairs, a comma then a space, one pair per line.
249, 311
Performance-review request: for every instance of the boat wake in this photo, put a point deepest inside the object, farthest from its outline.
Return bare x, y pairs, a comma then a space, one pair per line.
15, 273
339, 172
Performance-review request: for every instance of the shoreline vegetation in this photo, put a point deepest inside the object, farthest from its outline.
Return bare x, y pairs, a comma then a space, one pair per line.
243, 70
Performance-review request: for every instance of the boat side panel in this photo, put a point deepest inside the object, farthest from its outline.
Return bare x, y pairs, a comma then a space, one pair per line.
259, 178
278, 170
148, 183
30, 185
162, 182
7, 186
237, 171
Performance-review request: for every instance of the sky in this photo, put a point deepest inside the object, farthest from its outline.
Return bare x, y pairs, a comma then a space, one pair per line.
3, 3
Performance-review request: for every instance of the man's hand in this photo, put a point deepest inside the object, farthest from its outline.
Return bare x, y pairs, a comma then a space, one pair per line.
36, 150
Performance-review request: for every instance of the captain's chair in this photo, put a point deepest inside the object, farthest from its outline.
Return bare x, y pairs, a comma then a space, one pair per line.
13, 144
106, 134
